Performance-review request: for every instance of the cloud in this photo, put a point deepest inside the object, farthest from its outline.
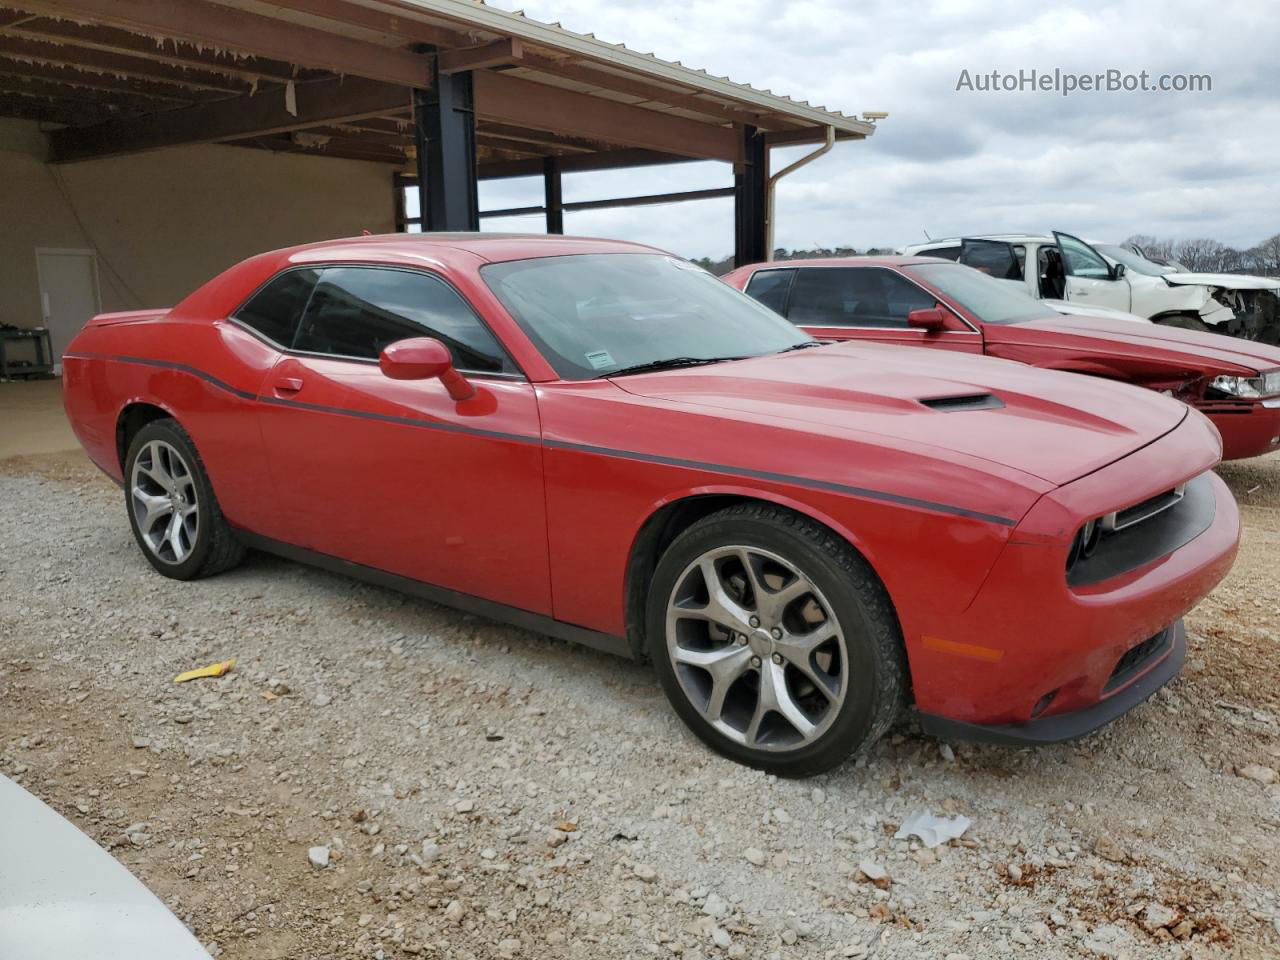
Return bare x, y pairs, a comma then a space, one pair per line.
1103, 165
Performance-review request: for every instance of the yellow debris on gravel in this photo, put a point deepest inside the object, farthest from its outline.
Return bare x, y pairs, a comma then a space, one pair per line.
213, 670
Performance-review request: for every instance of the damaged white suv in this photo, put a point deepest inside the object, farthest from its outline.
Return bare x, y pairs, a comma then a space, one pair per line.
1072, 272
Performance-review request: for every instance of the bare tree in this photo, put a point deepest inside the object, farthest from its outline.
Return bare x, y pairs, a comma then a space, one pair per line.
1204, 254
1268, 255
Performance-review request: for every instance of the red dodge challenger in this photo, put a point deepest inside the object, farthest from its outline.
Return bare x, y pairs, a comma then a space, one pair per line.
929, 302
601, 442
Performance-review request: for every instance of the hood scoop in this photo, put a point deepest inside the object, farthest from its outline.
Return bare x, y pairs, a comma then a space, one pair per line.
967, 401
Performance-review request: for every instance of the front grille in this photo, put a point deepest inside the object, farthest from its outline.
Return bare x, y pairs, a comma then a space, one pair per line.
1145, 510
1135, 658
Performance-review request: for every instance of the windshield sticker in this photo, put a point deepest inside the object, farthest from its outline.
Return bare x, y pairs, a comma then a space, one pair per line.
600, 359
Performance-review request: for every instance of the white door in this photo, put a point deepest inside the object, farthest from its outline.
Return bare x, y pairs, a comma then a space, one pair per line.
1091, 280
68, 294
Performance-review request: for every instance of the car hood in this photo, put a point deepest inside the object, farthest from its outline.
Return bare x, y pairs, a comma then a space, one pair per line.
1195, 345
1230, 281
1054, 426
1080, 310
61, 895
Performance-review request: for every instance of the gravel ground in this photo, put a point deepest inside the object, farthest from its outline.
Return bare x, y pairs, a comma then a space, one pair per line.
479, 791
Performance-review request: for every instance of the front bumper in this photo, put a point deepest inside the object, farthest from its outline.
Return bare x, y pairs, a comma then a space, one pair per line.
1249, 428
1031, 646
1078, 723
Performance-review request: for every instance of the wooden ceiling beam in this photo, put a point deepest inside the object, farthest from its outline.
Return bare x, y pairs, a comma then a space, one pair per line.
648, 92
120, 65
106, 101
523, 103
319, 102
514, 149
9, 17
249, 70
109, 83
44, 110
358, 132
524, 135
499, 52
806, 135
385, 125
281, 143
379, 21
606, 160
228, 28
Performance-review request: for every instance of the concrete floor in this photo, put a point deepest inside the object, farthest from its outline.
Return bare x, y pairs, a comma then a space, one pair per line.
32, 420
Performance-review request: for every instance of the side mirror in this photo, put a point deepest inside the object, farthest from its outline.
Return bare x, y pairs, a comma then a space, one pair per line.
928, 318
424, 358
1117, 271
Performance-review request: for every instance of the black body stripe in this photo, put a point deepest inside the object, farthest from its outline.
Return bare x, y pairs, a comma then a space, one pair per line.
860, 492
402, 421
167, 365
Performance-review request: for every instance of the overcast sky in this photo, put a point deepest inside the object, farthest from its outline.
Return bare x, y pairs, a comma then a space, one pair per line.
1104, 165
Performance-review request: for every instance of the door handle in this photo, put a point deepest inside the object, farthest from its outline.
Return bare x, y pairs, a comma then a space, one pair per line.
288, 385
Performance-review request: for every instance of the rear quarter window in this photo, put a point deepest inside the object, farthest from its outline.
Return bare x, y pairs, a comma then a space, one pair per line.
274, 311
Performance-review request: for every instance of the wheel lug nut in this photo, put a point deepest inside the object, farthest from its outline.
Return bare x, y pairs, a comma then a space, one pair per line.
755, 621
755, 661
777, 658
742, 639
776, 633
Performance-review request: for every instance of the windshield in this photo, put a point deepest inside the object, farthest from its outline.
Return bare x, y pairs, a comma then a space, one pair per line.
988, 299
596, 314
1130, 259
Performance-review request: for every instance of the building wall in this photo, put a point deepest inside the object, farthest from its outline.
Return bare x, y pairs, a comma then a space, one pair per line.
165, 221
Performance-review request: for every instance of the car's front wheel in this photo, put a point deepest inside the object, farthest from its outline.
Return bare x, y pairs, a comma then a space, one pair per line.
774, 640
1186, 321
172, 509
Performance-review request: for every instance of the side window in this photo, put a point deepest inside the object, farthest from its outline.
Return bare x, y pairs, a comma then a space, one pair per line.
855, 297
356, 311
999, 260
274, 310
1082, 260
771, 287
947, 253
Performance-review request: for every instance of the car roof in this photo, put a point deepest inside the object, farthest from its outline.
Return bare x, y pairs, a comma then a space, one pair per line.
1007, 237
490, 247
886, 260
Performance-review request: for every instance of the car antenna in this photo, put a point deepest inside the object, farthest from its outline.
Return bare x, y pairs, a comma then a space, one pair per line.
926, 234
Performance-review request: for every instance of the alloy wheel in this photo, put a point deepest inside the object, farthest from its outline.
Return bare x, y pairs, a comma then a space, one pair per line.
166, 508
756, 648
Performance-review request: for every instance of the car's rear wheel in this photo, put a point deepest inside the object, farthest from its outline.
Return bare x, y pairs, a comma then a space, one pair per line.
774, 640
172, 509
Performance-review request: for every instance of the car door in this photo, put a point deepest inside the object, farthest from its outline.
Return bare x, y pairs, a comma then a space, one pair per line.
858, 303
1090, 279
396, 475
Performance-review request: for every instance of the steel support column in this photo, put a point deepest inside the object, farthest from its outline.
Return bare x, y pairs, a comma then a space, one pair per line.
445, 134
751, 185
553, 200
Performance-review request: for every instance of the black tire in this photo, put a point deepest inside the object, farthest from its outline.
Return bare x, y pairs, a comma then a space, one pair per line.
876, 670
214, 547
1185, 321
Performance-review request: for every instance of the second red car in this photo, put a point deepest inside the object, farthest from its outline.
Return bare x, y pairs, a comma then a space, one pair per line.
930, 302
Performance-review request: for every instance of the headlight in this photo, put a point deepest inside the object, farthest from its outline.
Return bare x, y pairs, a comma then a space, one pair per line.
1271, 382
1245, 387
